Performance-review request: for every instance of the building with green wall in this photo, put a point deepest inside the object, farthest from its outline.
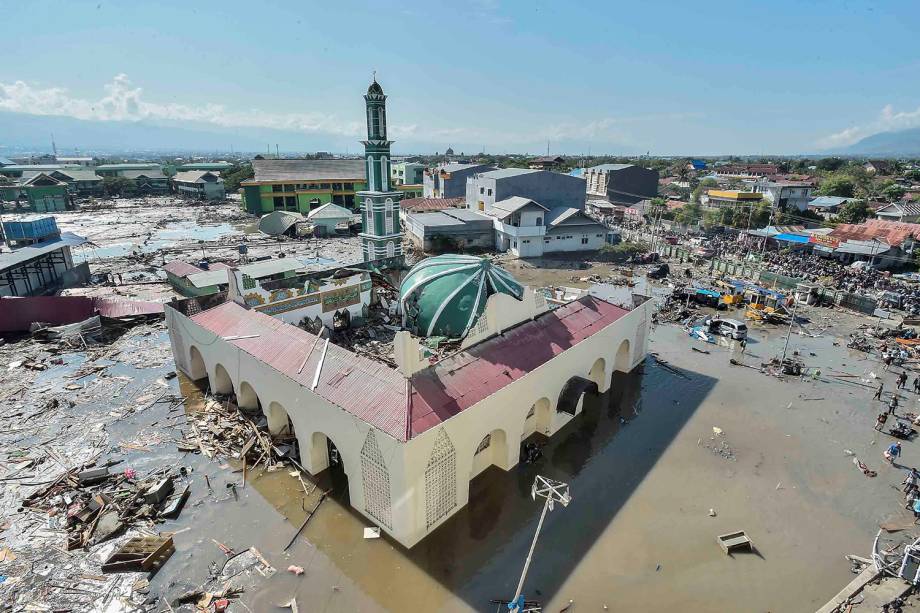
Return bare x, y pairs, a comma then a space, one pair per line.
40, 193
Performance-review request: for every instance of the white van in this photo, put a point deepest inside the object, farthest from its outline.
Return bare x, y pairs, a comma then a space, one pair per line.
732, 328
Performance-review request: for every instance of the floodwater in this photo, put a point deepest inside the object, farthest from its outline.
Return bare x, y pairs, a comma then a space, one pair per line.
171, 235
644, 468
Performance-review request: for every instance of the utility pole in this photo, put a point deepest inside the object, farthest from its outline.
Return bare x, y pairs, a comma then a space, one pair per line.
552, 491
795, 304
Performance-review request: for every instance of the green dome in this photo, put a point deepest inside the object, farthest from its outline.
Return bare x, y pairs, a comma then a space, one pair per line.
444, 295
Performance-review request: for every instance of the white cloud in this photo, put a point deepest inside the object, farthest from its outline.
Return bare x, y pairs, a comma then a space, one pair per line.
888, 119
123, 101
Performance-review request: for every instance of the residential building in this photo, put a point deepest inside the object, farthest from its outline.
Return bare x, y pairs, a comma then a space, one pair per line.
400, 439
303, 185
547, 162
526, 228
328, 216
827, 206
786, 195
879, 167
17, 170
450, 229
408, 173
882, 243
42, 267
430, 205
211, 278
550, 189
718, 198
80, 181
199, 185
746, 170
449, 180
906, 211
604, 211
146, 182
624, 184
42, 193
381, 234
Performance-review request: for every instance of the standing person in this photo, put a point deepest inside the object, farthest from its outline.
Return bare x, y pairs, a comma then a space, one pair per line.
743, 345
880, 421
893, 404
917, 384
911, 481
893, 452
878, 392
902, 380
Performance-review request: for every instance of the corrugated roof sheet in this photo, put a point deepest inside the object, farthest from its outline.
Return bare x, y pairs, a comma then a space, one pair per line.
309, 170
425, 205
457, 383
181, 269
256, 270
892, 232
376, 393
504, 173
24, 254
371, 391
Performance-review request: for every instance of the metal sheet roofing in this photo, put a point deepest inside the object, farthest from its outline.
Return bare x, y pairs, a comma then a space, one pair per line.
181, 269
257, 270
371, 391
25, 254
309, 170
331, 210
464, 379
515, 203
791, 238
377, 394
504, 173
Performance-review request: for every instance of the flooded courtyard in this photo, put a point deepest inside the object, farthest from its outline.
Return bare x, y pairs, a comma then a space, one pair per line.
652, 484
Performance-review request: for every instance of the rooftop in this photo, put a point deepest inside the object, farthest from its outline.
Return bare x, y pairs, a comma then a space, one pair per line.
257, 270
24, 254
892, 232
609, 167
331, 210
504, 173
378, 394
422, 205
308, 170
194, 176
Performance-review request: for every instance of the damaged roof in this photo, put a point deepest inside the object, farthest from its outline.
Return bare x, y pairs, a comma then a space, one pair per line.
380, 395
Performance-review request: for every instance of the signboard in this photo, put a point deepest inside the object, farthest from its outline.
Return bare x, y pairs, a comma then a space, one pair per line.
824, 240
336, 299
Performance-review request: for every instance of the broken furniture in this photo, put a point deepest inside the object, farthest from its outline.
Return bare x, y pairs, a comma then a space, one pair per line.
141, 553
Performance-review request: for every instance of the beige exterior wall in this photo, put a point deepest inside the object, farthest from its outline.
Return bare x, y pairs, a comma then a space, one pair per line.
428, 477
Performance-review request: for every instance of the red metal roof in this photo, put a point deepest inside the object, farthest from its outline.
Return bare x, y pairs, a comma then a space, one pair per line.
894, 233
424, 205
376, 393
113, 308
181, 269
371, 391
457, 383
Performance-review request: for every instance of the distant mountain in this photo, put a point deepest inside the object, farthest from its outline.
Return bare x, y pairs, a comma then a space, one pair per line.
902, 143
20, 130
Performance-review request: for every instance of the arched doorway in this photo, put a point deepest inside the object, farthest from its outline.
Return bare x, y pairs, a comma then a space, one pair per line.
538, 420
327, 463
247, 399
622, 361
598, 374
572, 395
278, 421
221, 383
492, 449
196, 369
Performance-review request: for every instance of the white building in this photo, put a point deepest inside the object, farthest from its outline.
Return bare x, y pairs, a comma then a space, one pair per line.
199, 184
787, 195
529, 229
406, 441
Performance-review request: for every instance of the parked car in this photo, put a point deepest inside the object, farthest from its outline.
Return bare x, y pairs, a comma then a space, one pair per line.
732, 328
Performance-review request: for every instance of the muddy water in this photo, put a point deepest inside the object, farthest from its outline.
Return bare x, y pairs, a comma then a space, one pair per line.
644, 472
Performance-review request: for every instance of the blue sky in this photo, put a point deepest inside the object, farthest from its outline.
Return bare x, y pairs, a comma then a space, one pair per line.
665, 77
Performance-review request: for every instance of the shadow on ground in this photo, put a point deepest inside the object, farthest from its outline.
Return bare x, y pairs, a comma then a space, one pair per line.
603, 454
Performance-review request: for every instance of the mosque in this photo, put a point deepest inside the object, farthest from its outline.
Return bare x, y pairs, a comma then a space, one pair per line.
404, 441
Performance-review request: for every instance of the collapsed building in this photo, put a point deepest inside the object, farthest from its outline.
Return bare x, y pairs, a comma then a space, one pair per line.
401, 443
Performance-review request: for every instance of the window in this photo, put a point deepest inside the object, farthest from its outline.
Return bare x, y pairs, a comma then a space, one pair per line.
388, 216
482, 190
584, 240
599, 236
349, 187
337, 187
368, 216
539, 221
288, 188
290, 203
324, 185
278, 203
490, 192
277, 188
526, 241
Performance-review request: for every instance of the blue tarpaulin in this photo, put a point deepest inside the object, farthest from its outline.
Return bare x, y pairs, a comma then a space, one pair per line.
791, 238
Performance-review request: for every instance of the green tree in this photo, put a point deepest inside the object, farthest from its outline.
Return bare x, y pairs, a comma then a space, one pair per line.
703, 186
854, 211
894, 192
117, 186
829, 164
689, 214
234, 175
838, 185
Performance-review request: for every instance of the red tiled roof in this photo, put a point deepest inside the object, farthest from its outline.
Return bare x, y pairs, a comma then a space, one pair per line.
892, 232
376, 393
460, 381
423, 205
675, 204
